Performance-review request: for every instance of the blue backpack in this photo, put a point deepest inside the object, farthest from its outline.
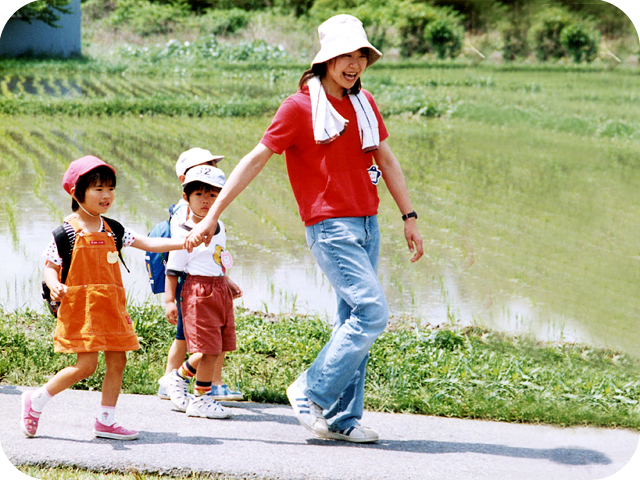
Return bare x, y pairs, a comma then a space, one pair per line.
156, 262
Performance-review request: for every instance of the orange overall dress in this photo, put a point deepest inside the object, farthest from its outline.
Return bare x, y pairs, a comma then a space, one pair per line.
92, 315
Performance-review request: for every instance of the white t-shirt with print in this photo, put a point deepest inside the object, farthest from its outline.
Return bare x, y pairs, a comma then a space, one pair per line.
203, 260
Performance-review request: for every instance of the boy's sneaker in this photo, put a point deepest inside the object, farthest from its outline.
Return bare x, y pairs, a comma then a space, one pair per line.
162, 389
29, 419
114, 431
205, 406
223, 392
308, 413
176, 388
356, 434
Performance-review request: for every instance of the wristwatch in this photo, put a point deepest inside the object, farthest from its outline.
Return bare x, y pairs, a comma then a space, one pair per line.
409, 215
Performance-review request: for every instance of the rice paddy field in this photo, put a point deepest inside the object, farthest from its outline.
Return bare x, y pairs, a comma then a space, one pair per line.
526, 179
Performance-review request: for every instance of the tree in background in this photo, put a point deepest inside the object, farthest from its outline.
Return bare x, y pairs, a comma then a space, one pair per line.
47, 11
609, 19
581, 41
477, 15
545, 32
444, 37
524, 26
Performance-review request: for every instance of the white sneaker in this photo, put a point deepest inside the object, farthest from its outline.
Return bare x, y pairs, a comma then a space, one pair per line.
357, 434
308, 413
205, 406
162, 387
176, 388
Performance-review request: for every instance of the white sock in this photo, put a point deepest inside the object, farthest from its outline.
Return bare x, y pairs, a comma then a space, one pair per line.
39, 399
107, 415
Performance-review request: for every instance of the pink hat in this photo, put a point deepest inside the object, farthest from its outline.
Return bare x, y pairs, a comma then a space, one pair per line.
80, 167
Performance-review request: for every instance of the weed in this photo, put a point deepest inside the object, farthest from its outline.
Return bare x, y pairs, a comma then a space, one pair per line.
469, 373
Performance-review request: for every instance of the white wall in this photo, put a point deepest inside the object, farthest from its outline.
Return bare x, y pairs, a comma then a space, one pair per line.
38, 38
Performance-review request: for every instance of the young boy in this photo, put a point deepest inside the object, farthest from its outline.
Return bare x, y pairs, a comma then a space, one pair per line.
206, 299
219, 390
92, 317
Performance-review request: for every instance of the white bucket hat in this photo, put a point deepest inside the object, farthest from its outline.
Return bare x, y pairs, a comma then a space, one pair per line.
343, 34
204, 173
194, 156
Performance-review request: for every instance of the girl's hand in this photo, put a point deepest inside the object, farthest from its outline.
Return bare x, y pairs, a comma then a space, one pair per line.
58, 292
171, 309
52, 278
202, 232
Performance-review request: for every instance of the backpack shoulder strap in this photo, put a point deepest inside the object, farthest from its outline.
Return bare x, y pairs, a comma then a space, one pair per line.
63, 244
118, 234
117, 229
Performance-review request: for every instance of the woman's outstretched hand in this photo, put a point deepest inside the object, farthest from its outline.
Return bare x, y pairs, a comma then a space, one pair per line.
414, 240
203, 232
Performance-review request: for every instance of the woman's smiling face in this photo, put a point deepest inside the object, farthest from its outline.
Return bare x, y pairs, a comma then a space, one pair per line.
343, 71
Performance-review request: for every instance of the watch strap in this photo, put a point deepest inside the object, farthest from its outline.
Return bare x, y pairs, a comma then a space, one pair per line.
409, 215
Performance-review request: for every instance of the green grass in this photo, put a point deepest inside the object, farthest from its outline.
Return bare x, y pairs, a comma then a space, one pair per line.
463, 373
64, 473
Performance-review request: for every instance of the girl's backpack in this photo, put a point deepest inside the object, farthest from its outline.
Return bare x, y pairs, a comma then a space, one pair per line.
63, 243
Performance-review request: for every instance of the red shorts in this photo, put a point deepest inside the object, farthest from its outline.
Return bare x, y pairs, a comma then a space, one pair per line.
207, 315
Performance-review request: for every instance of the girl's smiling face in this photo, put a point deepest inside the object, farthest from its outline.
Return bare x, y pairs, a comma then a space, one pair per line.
343, 71
98, 198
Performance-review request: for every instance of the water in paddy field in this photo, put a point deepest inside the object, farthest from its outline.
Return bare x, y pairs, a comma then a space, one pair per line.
474, 271
281, 279
276, 275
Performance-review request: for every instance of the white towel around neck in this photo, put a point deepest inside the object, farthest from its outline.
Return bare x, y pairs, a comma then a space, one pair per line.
328, 124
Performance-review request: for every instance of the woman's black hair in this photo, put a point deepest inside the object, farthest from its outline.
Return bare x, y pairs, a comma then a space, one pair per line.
196, 186
320, 70
102, 174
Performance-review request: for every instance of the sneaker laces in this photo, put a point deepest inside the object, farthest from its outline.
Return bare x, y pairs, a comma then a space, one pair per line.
178, 382
315, 409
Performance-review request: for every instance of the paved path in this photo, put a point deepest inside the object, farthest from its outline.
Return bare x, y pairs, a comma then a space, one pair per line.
266, 442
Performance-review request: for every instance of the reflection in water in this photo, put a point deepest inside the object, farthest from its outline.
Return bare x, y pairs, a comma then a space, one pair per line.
283, 279
277, 275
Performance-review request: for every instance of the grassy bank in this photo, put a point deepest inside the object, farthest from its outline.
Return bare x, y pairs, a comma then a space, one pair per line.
62, 473
463, 373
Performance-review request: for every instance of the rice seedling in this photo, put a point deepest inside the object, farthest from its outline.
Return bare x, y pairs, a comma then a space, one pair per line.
517, 171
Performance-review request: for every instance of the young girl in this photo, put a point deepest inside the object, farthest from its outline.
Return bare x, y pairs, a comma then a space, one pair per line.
334, 141
92, 316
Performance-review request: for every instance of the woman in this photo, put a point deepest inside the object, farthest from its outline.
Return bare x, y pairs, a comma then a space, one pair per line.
331, 133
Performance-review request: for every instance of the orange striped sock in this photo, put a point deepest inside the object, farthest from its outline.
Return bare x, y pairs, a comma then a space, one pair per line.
186, 371
202, 388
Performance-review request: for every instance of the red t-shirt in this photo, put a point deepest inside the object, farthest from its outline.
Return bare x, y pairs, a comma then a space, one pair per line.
328, 180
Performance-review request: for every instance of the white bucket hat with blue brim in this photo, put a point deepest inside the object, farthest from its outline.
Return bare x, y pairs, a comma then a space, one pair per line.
343, 34
204, 173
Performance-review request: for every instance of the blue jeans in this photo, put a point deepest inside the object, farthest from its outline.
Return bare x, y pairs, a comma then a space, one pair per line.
347, 251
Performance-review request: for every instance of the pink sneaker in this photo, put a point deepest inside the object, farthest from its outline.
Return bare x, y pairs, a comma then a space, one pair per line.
114, 431
30, 418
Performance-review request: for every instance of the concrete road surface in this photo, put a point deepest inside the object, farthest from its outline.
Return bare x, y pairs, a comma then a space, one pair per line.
266, 442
